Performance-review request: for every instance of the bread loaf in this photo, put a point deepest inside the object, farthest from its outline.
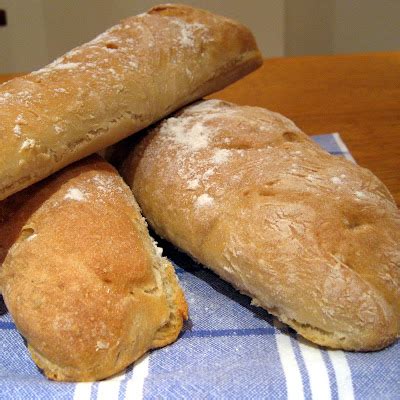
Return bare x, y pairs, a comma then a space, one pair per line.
124, 80
312, 238
81, 276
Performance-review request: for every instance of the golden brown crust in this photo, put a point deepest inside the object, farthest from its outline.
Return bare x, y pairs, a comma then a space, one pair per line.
82, 278
125, 79
312, 238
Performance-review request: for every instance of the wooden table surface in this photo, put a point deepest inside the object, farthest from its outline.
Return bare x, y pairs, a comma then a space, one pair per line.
355, 95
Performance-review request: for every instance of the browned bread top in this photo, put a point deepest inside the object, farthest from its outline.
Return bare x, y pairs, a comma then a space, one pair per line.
122, 81
311, 237
81, 276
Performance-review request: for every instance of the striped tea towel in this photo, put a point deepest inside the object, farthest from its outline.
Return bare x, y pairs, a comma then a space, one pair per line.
228, 350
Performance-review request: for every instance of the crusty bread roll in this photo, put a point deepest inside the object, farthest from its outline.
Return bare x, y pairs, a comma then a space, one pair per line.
81, 277
311, 237
127, 78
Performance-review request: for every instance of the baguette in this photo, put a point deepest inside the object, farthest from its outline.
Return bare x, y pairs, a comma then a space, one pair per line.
312, 238
81, 276
124, 80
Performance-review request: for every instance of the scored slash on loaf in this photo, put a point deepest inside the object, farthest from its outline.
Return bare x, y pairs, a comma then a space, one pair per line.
127, 78
311, 237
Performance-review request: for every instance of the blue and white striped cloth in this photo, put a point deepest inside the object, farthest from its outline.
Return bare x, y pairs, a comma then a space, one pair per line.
229, 349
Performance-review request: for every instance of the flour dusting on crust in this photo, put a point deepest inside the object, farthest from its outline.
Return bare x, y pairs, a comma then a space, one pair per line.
182, 131
75, 194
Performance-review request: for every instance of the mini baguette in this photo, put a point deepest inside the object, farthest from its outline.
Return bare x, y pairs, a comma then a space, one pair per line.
312, 238
81, 276
124, 80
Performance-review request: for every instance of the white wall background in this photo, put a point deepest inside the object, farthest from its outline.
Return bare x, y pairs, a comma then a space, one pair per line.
40, 30
23, 40
341, 26
309, 26
365, 25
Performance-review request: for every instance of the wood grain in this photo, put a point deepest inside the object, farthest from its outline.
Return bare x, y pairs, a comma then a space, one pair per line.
355, 95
